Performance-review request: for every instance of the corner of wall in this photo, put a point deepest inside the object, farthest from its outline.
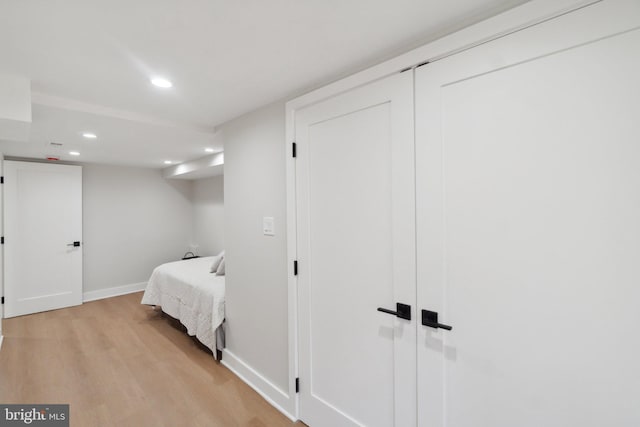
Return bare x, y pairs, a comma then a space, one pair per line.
257, 267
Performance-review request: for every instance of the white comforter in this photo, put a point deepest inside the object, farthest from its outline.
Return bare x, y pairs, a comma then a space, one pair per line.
187, 291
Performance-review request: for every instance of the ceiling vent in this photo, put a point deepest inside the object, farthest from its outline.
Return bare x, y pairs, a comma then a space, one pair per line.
54, 151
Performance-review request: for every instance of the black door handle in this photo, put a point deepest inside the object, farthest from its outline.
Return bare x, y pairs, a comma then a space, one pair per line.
74, 244
403, 311
430, 319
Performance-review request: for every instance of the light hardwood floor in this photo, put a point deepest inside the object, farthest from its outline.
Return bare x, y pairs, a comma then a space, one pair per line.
119, 363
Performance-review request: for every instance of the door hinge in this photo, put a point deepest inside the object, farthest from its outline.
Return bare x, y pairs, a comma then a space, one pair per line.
295, 268
2, 240
293, 149
297, 382
413, 67
1, 179
2, 300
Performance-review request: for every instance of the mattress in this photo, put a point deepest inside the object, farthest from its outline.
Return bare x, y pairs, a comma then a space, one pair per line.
187, 291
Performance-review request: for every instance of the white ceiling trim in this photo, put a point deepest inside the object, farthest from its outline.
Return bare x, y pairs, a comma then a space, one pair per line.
201, 168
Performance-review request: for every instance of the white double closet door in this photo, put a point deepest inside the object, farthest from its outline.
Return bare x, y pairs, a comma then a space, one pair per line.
518, 225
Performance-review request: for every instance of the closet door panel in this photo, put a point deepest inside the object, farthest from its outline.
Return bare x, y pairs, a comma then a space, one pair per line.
356, 252
528, 199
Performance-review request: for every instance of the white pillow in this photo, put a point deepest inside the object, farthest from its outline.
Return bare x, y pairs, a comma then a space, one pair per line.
221, 268
216, 263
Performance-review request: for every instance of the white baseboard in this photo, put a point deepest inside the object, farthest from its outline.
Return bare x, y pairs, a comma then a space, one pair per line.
280, 400
113, 292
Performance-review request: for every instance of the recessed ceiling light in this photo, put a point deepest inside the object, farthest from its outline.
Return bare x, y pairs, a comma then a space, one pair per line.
74, 153
167, 162
161, 82
209, 150
89, 135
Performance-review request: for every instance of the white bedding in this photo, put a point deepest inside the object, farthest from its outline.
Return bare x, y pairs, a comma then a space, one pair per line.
187, 291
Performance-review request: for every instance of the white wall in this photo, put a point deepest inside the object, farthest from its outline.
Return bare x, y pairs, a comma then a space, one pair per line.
133, 220
15, 108
15, 98
208, 215
256, 301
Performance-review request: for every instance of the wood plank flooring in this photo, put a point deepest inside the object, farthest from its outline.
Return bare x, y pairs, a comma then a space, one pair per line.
119, 363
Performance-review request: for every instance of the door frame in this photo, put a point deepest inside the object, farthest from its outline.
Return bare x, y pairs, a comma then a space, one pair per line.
68, 299
1, 246
513, 20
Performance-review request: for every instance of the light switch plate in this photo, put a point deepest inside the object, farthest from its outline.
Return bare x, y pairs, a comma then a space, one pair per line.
268, 226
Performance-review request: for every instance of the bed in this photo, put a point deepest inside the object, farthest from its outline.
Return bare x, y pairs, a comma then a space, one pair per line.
189, 292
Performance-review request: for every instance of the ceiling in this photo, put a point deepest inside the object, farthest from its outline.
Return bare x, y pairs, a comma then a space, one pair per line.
90, 62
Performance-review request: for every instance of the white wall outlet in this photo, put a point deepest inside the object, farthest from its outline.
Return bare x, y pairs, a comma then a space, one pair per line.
268, 226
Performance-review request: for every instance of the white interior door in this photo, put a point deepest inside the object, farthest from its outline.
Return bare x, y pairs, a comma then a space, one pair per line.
528, 207
356, 252
43, 219
1, 246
